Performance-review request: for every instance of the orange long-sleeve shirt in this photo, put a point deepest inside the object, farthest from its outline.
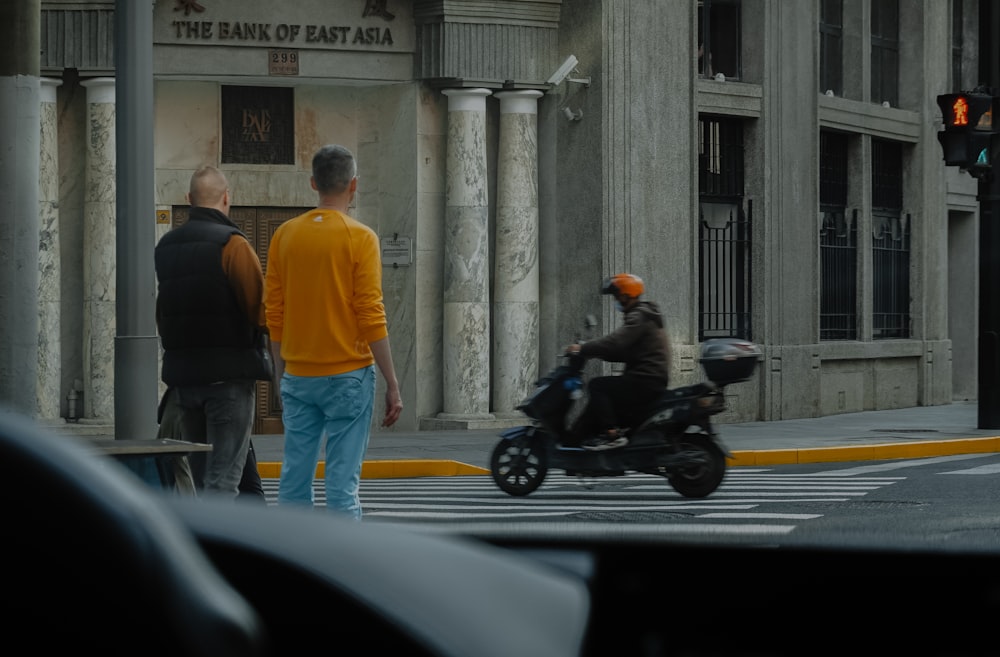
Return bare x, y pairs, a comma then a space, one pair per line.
243, 268
323, 293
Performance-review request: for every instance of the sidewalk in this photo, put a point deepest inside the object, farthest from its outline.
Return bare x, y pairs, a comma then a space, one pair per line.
871, 435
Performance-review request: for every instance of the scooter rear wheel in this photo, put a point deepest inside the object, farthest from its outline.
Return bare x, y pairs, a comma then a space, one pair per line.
519, 465
703, 469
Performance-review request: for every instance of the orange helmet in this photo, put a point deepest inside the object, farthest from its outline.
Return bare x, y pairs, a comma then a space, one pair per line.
629, 285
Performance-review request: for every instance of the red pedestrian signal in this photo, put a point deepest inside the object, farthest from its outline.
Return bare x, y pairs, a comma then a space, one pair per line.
966, 111
960, 112
968, 140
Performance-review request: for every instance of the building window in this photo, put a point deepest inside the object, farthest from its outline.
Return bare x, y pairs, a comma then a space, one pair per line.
720, 156
831, 40
885, 51
258, 125
724, 282
719, 38
890, 244
838, 243
956, 45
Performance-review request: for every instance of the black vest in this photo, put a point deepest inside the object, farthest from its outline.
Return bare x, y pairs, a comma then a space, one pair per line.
206, 336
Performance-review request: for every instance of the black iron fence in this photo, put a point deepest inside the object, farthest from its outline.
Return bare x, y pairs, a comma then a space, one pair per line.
838, 251
724, 263
891, 271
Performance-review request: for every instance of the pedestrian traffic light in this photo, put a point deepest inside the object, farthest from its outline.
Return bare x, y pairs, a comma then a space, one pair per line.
974, 151
968, 139
967, 111
980, 152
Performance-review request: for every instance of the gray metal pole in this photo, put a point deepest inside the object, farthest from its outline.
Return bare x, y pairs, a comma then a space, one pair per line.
988, 396
20, 136
136, 342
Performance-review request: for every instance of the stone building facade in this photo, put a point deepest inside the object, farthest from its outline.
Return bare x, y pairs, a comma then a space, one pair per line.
769, 168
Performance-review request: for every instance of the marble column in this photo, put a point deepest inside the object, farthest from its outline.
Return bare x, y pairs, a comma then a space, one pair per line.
515, 280
99, 254
19, 164
49, 342
466, 321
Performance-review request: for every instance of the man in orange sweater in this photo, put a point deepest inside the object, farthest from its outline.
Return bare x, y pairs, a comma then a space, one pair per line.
323, 301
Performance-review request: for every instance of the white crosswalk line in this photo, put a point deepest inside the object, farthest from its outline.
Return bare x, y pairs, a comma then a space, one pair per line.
562, 508
991, 469
898, 465
619, 530
738, 507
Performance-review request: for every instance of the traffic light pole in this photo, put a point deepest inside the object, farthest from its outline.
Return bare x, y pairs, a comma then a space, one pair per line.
989, 302
989, 241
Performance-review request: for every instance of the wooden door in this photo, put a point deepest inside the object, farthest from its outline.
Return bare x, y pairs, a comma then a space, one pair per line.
267, 220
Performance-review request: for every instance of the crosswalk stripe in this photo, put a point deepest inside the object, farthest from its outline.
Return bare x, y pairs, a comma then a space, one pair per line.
981, 470
897, 465
471, 498
619, 530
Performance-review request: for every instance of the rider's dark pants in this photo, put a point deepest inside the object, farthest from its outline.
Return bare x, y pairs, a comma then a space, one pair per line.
615, 401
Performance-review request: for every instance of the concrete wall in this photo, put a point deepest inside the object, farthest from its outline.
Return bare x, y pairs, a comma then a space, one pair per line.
380, 125
618, 189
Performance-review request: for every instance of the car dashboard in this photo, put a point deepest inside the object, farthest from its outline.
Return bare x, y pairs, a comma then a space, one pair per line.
99, 562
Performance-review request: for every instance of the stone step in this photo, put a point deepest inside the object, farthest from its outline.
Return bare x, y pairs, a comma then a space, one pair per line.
82, 428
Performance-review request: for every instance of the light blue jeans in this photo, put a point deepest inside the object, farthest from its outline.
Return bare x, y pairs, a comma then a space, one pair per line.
341, 407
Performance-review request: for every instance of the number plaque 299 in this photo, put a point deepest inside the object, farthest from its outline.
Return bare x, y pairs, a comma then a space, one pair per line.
282, 62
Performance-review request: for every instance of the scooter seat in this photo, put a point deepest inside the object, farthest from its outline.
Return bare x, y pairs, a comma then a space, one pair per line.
674, 397
687, 392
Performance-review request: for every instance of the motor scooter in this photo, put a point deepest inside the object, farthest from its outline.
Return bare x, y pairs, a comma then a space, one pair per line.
674, 439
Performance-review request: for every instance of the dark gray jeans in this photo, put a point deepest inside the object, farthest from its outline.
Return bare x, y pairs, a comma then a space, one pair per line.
220, 414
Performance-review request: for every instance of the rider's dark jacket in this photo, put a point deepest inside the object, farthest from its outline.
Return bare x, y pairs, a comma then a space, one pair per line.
641, 343
206, 335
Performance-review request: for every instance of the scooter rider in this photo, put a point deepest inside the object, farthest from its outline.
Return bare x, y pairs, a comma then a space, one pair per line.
642, 344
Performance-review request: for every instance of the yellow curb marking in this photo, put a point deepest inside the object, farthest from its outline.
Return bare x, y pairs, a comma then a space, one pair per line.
866, 452
391, 469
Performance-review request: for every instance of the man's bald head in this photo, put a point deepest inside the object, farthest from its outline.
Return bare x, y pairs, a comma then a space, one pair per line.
209, 189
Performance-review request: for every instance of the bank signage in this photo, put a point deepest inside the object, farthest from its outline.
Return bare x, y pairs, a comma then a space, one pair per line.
367, 25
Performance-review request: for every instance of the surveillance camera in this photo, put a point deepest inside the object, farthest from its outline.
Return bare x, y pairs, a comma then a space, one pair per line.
571, 115
563, 71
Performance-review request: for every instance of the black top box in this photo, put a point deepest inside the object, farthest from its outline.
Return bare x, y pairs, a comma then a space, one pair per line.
729, 360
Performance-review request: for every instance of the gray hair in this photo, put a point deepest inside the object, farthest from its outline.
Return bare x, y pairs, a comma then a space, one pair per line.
333, 168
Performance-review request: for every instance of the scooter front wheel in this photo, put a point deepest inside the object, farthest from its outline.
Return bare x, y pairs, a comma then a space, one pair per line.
702, 466
518, 465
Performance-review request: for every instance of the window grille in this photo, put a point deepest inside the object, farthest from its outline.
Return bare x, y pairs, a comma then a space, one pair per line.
838, 240
724, 300
890, 244
839, 266
258, 125
720, 153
